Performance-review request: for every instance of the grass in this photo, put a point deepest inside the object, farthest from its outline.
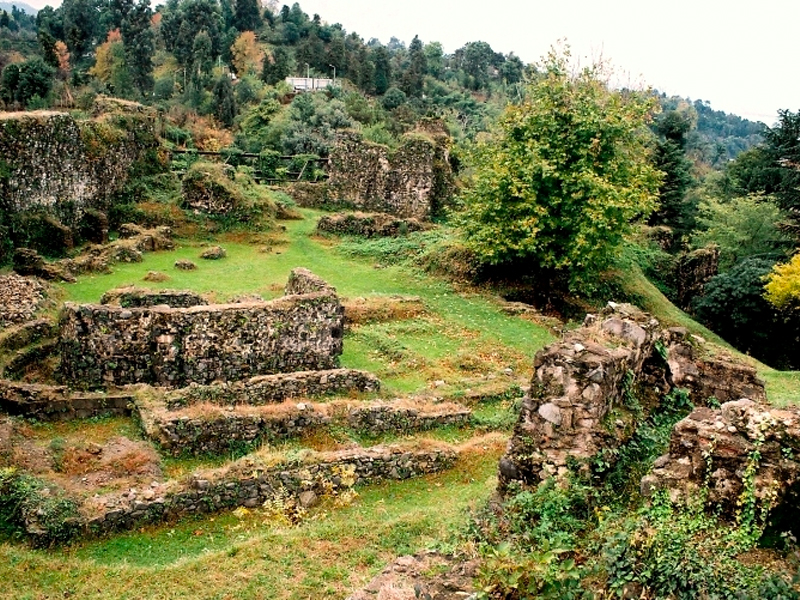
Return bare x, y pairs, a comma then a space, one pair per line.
407, 355
249, 556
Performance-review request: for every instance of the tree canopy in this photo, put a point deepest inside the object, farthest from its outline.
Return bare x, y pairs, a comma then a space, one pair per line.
566, 173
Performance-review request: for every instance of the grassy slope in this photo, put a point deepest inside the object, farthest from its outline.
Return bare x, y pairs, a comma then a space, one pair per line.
336, 550
783, 387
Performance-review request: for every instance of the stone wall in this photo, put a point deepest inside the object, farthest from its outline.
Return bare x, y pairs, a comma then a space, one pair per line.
133, 297
414, 181
52, 164
267, 389
212, 429
57, 403
578, 403
303, 281
368, 225
20, 298
103, 345
249, 482
717, 449
692, 272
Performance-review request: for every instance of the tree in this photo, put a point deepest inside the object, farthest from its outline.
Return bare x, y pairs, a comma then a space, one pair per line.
414, 75
80, 26
782, 289
670, 158
276, 67
246, 54
563, 178
138, 39
742, 227
224, 101
782, 145
247, 15
383, 69
110, 66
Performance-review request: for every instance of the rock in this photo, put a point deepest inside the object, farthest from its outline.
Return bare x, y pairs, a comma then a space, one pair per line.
307, 499
185, 265
156, 276
214, 253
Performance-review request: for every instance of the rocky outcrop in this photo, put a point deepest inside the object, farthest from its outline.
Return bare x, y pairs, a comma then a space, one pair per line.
103, 345
693, 270
591, 389
740, 457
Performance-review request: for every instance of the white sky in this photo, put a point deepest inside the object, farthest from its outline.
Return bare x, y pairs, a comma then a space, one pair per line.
740, 56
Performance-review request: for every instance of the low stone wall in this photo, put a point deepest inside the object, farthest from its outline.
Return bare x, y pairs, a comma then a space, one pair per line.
212, 429
104, 345
252, 481
266, 389
25, 334
133, 297
57, 403
577, 403
720, 449
385, 417
368, 225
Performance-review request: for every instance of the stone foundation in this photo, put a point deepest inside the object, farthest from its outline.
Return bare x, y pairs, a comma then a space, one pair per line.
57, 403
104, 345
368, 225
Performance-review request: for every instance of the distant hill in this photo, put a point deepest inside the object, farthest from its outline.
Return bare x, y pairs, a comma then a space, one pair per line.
6, 6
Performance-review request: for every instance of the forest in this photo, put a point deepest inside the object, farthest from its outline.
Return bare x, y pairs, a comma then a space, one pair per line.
567, 193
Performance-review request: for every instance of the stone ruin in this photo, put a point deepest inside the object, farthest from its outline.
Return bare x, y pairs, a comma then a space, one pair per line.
368, 225
102, 345
413, 181
716, 451
578, 406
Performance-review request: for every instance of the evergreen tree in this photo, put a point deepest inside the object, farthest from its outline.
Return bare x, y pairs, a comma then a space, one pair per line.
383, 69
275, 67
414, 76
137, 36
224, 101
247, 15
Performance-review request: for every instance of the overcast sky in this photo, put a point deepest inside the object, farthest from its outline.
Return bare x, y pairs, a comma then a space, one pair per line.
740, 56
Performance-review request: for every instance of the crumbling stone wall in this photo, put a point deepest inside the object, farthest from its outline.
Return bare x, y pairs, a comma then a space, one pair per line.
303, 281
58, 403
693, 270
20, 298
269, 389
249, 482
54, 165
133, 297
414, 181
576, 405
103, 345
368, 225
720, 449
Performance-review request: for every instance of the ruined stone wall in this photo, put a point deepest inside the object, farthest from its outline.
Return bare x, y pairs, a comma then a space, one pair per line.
578, 403
250, 482
368, 225
715, 449
102, 345
132, 297
57, 403
52, 163
412, 182
266, 389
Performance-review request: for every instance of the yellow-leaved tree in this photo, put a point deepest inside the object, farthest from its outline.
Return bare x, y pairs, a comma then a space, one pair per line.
246, 55
782, 289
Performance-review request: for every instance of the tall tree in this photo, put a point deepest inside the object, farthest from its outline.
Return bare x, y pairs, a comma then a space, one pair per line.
80, 26
224, 101
414, 76
566, 174
247, 15
383, 69
139, 41
275, 67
